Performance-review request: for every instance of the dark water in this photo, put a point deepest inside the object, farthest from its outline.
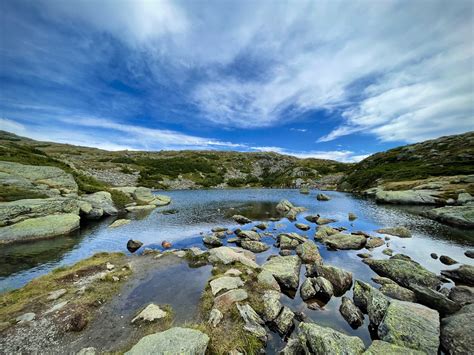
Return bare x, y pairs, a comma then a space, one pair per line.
199, 211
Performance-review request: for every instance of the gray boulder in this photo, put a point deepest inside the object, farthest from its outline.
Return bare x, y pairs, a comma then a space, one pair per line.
401, 232
435, 300
284, 322
241, 219
459, 216
302, 226
172, 341
463, 275
253, 322
285, 269
212, 241
370, 301
341, 280
322, 197
271, 305
309, 253
228, 255
101, 200
374, 242
345, 241
254, 246
462, 295
318, 288
457, 331
250, 235
225, 283
351, 313
379, 347
409, 197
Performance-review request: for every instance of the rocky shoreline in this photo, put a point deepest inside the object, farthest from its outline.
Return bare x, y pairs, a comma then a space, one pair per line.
241, 307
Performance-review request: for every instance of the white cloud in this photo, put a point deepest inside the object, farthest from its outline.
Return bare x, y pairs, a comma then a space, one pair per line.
302, 130
345, 156
11, 126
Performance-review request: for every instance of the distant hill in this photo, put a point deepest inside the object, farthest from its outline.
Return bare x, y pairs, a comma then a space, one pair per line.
444, 156
168, 169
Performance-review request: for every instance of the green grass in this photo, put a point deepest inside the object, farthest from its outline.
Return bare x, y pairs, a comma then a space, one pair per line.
13, 193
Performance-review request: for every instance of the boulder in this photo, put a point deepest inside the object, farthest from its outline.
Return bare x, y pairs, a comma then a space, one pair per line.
119, 223
409, 197
39, 228
446, 260
215, 317
266, 280
219, 229
411, 325
323, 340
151, 313
143, 195
140, 209
325, 231
271, 305
225, 283
401, 232
370, 301
351, 313
211, 240
435, 300
256, 247
133, 245
457, 331
462, 295
352, 216
101, 200
304, 191
227, 299
469, 253
284, 322
286, 209
404, 272
395, 291
344, 241
241, 219
341, 280
262, 226
309, 253
172, 341
322, 221
228, 255
379, 347
253, 323
463, 275
302, 226
374, 242
251, 235
285, 269
322, 197
318, 288
464, 198
458, 216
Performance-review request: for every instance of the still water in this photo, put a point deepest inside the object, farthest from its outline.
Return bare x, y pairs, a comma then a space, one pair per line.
194, 212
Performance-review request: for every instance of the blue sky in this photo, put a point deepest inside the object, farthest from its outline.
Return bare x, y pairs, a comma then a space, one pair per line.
329, 79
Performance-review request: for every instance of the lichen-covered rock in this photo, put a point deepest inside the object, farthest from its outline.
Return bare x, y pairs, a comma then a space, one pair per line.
351, 313
254, 246
370, 301
250, 235
302, 226
411, 325
286, 209
374, 242
227, 299
101, 200
253, 322
225, 283
462, 295
241, 219
404, 272
407, 197
215, 317
309, 253
323, 340
271, 305
266, 280
345, 241
119, 223
172, 341
284, 322
228, 255
212, 241
435, 300
322, 197
379, 347
459, 216
463, 275
318, 288
320, 221
325, 231
39, 228
151, 313
401, 232
285, 269
340, 279
395, 291
457, 331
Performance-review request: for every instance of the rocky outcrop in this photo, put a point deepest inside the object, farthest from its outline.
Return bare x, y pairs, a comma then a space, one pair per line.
172, 341
285, 269
409, 197
411, 325
286, 209
459, 216
144, 196
322, 340
101, 203
39, 228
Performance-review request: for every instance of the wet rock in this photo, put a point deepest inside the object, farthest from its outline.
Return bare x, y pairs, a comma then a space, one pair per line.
434, 256
284, 322
261, 226
462, 295
119, 223
219, 229
227, 299
435, 300
133, 245
302, 226
388, 252
241, 219
228, 255
459, 216
370, 301
220, 235
411, 325
172, 341
344, 241
323, 340
250, 235
312, 218
26, 317
215, 317
351, 313
285, 269
352, 216
341, 280
322, 197
151, 313
374, 242
457, 331
266, 280
379, 347
253, 322
54, 295
364, 255
212, 241
463, 275
401, 232
469, 253
271, 305
446, 260
404, 272
256, 247
225, 283
309, 253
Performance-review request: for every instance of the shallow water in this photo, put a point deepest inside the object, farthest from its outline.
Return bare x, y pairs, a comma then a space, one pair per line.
199, 211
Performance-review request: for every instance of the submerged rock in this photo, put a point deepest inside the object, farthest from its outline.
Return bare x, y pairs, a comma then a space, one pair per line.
172, 341
322, 197
411, 325
323, 340
285, 269
404, 272
351, 313
401, 232
463, 275
457, 331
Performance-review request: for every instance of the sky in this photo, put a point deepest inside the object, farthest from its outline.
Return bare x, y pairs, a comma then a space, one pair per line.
327, 79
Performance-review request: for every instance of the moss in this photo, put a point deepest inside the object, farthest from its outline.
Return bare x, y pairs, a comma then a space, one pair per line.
13, 193
119, 198
33, 296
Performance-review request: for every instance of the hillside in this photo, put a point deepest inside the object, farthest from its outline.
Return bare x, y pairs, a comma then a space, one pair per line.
93, 168
445, 156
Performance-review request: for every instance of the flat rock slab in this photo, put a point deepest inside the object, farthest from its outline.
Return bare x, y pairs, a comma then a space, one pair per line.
411, 325
401, 232
285, 269
151, 313
119, 223
226, 300
228, 255
461, 216
172, 341
225, 283
345, 241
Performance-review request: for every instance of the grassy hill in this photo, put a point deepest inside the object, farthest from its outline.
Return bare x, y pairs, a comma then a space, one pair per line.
445, 156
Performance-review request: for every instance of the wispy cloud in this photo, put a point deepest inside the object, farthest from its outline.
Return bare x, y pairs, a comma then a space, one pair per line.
345, 156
